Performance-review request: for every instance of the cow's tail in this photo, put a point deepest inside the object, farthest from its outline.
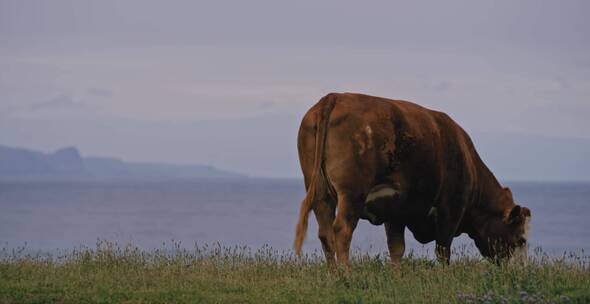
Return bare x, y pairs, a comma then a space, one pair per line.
322, 119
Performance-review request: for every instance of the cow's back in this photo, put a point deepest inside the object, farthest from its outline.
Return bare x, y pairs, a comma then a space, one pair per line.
372, 140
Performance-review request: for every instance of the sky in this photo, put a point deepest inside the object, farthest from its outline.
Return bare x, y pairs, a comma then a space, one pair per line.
226, 83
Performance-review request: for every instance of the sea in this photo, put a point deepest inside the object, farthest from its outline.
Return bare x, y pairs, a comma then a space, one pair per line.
48, 216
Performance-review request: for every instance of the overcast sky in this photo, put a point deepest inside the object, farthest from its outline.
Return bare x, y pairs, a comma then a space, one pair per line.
226, 83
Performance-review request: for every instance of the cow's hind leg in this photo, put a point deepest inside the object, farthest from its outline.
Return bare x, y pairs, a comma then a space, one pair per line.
345, 223
395, 241
325, 213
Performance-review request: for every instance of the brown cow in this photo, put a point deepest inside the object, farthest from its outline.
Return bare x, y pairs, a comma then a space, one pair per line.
397, 163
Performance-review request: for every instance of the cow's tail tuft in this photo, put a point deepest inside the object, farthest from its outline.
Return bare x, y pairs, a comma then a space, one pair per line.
322, 120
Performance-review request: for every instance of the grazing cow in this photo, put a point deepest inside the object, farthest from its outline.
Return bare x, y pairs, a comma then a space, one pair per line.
397, 163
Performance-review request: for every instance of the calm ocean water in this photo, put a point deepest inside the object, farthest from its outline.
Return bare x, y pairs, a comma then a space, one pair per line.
57, 215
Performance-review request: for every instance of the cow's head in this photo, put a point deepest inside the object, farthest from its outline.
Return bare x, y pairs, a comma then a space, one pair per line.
505, 235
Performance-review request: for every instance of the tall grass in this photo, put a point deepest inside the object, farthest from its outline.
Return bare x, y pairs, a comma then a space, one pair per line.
111, 273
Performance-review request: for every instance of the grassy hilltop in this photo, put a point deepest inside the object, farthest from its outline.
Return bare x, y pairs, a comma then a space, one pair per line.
111, 274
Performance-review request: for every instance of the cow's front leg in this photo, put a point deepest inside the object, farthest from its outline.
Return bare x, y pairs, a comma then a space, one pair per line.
443, 253
325, 212
345, 223
395, 241
447, 221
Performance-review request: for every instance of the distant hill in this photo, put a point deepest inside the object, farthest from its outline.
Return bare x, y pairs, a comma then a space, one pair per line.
67, 163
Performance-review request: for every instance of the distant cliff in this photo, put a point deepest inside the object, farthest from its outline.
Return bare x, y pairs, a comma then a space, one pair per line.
67, 163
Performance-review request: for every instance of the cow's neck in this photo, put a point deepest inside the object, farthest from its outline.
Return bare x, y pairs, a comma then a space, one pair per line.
487, 204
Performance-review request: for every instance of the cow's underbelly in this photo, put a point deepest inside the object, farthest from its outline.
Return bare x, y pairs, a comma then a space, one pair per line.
418, 216
421, 224
422, 228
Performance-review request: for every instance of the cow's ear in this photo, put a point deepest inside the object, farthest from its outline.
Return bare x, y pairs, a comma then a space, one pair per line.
526, 212
516, 215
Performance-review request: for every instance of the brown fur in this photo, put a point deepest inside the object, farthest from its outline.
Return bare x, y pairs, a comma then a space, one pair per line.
351, 143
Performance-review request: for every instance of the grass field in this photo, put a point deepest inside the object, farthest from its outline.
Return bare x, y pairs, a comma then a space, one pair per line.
212, 274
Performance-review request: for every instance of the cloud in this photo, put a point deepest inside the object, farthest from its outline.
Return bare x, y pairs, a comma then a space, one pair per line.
562, 82
439, 87
99, 92
6, 109
267, 104
62, 102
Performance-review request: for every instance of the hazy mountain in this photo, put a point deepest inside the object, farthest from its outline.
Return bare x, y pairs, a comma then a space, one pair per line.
67, 163
267, 146
21, 163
